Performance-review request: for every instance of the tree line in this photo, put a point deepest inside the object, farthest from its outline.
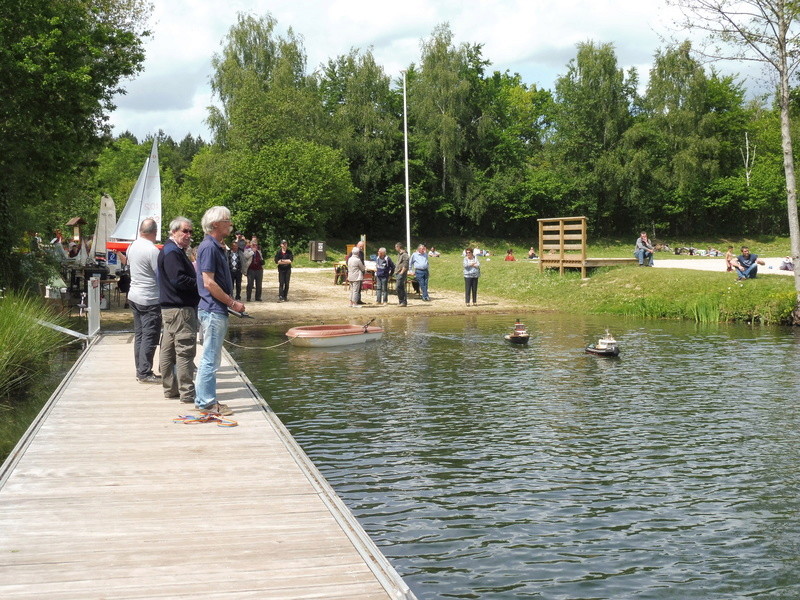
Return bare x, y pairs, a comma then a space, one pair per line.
312, 153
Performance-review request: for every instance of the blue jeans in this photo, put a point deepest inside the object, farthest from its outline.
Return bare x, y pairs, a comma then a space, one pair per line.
382, 287
645, 257
422, 280
215, 326
748, 273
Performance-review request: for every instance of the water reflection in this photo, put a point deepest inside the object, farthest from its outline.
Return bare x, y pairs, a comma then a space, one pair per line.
488, 470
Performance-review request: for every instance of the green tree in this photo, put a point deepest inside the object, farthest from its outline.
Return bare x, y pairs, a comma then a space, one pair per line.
292, 189
438, 107
512, 121
593, 104
768, 32
363, 112
263, 88
685, 136
61, 62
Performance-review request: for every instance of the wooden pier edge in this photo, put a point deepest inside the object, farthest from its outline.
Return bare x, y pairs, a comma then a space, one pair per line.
384, 572
7, 467
373, 558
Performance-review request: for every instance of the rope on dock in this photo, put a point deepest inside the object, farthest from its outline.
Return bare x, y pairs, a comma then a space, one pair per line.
205, 418
256, 347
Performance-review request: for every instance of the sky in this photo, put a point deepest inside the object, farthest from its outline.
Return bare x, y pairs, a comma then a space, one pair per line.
535, 38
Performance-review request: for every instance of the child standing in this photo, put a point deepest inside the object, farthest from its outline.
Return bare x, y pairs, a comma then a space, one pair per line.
729, 259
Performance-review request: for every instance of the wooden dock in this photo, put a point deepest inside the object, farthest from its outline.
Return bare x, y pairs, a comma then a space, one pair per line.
107, 497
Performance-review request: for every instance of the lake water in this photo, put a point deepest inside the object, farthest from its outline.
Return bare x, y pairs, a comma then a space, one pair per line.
485, 470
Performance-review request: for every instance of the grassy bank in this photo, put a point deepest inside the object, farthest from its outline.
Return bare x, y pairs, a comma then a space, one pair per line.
27, 352
24, 344
650, 293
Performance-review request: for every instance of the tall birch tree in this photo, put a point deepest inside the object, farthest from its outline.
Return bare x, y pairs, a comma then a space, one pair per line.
767, 32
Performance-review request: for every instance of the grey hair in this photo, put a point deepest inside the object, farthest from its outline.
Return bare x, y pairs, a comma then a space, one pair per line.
355, 250
148, 226
177, 223
215, 214
381, 249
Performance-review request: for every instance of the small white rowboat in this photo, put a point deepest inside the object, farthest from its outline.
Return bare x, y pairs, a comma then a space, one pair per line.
325, 336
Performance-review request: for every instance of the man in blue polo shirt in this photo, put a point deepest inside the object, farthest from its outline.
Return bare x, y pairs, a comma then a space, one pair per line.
419, 264
215, 285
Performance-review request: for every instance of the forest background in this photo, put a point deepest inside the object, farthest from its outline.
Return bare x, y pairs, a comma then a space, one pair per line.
306, 154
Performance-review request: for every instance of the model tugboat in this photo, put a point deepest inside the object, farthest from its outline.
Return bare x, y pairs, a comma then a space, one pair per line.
605, 346
519, 335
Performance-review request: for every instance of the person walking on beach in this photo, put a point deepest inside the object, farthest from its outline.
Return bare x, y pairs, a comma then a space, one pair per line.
355, 275
419, 264
284, 258
178, 298
401, 274
215, 287
472, 271
143, 298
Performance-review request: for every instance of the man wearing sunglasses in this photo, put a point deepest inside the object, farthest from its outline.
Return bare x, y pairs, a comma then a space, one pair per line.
179, 299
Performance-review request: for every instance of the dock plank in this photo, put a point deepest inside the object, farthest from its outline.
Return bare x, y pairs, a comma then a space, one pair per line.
109, 498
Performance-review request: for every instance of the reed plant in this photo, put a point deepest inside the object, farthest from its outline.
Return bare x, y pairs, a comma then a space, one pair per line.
25, 345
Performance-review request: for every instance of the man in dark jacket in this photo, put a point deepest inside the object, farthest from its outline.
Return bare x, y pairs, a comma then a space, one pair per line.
179, 297
284, 258
236, 262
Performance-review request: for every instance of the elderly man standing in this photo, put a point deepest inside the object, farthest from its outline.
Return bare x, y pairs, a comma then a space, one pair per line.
179, 299
384, 267
143, 298
355, 275
419, 264
215, 286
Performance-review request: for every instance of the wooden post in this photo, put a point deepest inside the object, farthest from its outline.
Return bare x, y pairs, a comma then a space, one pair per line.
567, 236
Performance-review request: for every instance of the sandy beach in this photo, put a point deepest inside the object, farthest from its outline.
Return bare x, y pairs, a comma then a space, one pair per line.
314, 299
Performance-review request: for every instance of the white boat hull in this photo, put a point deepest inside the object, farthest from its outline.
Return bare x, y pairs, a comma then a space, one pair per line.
328, 336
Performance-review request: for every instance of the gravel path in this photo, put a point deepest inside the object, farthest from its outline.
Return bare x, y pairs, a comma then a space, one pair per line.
702, 263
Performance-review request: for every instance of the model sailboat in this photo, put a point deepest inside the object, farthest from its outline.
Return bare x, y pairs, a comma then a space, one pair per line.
144, 202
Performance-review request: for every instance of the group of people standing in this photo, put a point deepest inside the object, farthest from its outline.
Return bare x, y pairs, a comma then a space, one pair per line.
384, 269
418, 263
173, 299
245, 258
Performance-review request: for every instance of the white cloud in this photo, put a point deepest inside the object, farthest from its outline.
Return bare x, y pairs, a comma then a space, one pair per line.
533, 37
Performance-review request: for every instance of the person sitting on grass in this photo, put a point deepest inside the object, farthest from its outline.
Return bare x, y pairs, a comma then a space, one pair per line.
644, 250
746, 264
532, 254
510, 255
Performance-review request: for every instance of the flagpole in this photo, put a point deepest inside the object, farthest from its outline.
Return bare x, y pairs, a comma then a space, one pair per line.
405, 144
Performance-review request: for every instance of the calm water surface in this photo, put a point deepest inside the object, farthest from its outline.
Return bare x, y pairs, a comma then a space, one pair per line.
485, 470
